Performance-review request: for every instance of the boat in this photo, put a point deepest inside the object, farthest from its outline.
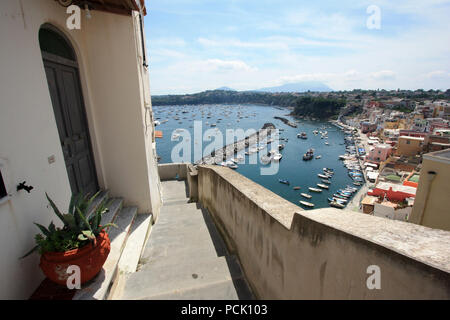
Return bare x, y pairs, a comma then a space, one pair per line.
297, 188
281, 147
337, 205
318, 157
305, 195
277, 156
357, 183
323, 186
302, 135
307, 204
323, 176
308, 155
283, 181
314, 189
326, 181
342, 201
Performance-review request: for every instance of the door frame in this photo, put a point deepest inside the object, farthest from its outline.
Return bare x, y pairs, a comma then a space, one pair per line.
46, 56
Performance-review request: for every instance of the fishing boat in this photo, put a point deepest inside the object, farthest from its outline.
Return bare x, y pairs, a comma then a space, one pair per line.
314, 189
337, 205
305, 195
283, 181
308, 155
307, 204
323, 186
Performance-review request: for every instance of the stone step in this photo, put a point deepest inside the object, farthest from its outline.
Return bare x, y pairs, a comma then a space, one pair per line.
114, 205
135, 243
236, 289
163, 279
98, 288
174, 202
102, 196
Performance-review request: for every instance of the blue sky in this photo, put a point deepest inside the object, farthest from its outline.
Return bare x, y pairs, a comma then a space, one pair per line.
195, 45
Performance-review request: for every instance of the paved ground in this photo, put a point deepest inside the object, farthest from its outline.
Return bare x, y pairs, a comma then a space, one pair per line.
185, 257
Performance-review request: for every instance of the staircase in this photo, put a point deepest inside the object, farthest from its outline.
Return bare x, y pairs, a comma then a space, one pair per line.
185, 257
127, 241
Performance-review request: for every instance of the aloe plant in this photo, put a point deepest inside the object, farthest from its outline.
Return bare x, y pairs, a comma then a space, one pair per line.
81, 226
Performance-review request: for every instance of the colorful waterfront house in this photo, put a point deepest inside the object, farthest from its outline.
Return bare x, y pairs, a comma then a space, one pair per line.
379, 153
432, 204
409, 146
391, 123
367, 127
392, 210
392, 191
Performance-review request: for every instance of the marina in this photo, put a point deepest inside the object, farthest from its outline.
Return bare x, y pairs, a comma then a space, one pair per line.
289, 147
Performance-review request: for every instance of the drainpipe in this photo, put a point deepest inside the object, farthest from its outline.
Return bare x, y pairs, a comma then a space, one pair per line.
430, 177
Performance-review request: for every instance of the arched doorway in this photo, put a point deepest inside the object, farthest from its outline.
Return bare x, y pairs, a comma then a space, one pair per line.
63, 79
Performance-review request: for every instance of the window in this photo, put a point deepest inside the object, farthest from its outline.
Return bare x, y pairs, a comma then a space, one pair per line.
3, 192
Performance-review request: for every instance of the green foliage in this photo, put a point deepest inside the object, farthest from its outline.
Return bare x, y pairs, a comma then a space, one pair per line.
81, 226
319, 107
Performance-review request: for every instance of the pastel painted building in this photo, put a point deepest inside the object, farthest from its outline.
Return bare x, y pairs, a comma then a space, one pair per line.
409, 146
379, 153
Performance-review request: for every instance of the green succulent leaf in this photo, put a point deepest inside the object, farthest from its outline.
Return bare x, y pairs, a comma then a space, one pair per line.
83, 219
55, 208
82, 237
30, 252
89, 234
43, 230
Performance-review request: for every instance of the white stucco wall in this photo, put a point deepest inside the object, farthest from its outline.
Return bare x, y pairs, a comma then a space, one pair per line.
113, 82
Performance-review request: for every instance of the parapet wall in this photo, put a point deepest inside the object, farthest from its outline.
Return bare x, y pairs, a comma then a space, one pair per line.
288, 253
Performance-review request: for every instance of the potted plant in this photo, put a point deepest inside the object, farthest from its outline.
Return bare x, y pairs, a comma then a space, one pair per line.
81, 241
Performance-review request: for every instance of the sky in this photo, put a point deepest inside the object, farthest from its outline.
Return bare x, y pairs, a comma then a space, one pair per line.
197, 45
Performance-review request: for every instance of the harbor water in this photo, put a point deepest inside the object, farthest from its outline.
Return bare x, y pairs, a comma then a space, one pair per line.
292, 167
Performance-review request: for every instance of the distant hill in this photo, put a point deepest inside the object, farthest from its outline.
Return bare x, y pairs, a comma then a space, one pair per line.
303, 86
225, 89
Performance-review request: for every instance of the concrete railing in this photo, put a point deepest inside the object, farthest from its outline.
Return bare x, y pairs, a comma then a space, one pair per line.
288, 253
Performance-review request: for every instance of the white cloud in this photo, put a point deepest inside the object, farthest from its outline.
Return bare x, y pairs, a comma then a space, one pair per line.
230, 65
384, 75
438, 74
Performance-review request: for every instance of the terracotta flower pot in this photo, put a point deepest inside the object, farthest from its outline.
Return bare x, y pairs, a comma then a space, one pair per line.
89, 258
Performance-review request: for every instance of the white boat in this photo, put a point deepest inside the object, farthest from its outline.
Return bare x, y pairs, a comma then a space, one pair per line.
326, 181
337, 205
323, 176
277, 157
323, 186
307, 204
305, 195
318, 157
314, 189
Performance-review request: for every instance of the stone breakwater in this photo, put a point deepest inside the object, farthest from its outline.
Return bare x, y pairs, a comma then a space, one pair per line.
232, 149
287, 122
